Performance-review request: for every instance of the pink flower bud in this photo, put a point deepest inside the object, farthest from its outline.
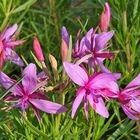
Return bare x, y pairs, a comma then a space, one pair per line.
105, 18
38, 50
64, 51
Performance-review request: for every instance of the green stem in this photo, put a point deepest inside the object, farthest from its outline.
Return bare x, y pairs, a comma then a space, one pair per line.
57, 125
127, 45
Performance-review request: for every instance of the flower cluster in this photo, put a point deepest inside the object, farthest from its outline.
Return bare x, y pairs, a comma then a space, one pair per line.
86, 69
92, 50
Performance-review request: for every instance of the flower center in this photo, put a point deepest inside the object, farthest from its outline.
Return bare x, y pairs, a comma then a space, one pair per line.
26, 97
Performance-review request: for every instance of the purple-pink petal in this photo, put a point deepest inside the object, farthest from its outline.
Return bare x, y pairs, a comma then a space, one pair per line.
100, 108
102, 38
11, 55
102, 67
86, 106
104, 80
29, 81
48, 106
87, 38
98, 105
7, 82
36, 112
76, 73
135, 104
14, 43
77, 102
9, 32
135, 83
129, 114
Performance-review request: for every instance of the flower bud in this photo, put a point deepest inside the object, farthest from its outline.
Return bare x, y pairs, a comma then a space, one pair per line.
38, 50
105, 18
65, 35
53, 62
64, 51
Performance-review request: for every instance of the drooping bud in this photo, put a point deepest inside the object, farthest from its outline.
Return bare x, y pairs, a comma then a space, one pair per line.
38, 50
64, 51
105, 18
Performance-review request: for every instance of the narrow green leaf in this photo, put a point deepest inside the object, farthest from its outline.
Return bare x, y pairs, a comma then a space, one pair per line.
8, 130
122, 130
34, 129
4, 121
37, 62
66, 127
105, 127
70, 49
3, 94
24, 6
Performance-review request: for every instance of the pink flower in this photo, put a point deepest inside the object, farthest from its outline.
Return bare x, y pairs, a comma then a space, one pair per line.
7, 42
92, 89
38, 50
26, 94
129, 99
93, 49
105, 18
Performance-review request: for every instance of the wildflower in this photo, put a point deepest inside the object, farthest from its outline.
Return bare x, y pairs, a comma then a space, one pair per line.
105, 18
26, 94
38, 50
129, 99
92, 89
7, 42
92, 49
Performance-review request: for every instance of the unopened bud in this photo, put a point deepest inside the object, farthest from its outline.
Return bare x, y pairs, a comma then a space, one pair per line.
65, 35
53, 62
38, 50
64, 51
105, 18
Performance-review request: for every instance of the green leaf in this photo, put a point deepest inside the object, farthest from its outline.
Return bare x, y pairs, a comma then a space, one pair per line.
37, 62
3, 94
24, 6
34, 129
4, 121
66, 127
105, 127
70, 49
122, 130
